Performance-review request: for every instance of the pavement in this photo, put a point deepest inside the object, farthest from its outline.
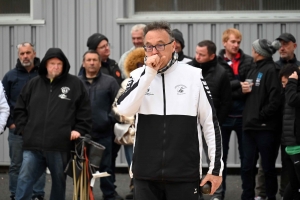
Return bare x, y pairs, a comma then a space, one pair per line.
122, 181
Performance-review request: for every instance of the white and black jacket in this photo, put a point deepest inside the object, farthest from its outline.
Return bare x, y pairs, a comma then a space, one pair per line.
173, 109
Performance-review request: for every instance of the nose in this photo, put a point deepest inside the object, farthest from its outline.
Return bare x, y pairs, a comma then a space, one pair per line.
154, 51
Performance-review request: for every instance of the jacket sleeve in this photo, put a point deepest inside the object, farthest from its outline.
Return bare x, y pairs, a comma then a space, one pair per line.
211, 130
20, 111
273, 89
6, 86
292, 97
83, 118
4, 109
225, 98
130, 101
120, 118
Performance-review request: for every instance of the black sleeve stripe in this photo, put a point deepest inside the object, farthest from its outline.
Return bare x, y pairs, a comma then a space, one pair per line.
218, 138
130, 87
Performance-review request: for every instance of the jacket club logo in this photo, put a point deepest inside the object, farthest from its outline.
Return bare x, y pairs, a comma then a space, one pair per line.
64, 91
180, 89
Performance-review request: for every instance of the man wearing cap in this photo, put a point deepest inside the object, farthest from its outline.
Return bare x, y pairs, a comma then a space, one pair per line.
137, 37
99, 43
52, 110
261, 118
180, 46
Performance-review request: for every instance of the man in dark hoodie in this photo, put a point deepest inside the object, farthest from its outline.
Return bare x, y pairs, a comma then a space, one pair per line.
102, 90
100, 44
261, 118
180, 46
13, 81
52, 110
218, 83
237, 65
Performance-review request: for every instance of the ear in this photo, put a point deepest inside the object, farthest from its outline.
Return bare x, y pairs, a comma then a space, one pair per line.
295, 45
212, 56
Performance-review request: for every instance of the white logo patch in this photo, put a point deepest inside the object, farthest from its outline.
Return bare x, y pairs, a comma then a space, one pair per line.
195, 192
64, 91
180, 89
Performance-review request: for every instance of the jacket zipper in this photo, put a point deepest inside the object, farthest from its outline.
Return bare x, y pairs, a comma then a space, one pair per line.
164, 128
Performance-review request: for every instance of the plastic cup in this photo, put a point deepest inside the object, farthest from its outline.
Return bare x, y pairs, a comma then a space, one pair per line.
250, 81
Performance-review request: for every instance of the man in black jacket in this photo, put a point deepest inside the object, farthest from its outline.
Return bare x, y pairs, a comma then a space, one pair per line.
52, 110
13, 81
180, 46
102, 90
261, 118
100, 44
237, 65
218, 83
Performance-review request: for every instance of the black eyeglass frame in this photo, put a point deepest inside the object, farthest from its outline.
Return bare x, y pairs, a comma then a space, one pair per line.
150, 48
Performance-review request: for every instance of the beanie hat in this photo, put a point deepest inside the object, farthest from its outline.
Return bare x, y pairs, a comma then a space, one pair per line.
94, 40
178, 36
266, 48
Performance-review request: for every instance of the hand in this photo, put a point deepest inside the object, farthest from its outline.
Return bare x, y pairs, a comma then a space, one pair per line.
246, 87
12, 126
215, 182
294, 75
74, 135
155, 62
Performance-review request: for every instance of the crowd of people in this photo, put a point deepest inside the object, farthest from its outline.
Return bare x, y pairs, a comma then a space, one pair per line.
175, 106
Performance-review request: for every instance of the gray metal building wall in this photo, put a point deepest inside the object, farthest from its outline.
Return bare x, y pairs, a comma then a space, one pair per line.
68, 24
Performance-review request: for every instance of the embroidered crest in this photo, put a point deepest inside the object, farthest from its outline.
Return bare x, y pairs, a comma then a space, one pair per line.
180, 89
64, 91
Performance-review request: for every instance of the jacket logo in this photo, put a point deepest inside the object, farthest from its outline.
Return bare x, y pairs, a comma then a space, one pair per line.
148, 92
64, 91
258, 78
180, 89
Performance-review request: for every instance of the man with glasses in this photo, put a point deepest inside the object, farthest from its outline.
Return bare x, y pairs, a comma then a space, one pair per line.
173, 107
13, 81
100, 44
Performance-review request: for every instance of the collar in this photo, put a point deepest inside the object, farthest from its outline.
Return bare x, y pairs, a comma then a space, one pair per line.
294, 60
170, 63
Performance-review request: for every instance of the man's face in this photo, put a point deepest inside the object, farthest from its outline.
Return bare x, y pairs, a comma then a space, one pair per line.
178, 47
284, 81
26, 55
232, 45
103, 49
202, 55
137, 37
54, 67
287, 49
91, 63
159, 37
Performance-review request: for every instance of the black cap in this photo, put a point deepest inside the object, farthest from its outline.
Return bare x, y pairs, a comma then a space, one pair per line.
286, 37
178, 36
94, 40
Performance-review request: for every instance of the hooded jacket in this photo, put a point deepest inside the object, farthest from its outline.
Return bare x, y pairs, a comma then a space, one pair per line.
46, 112
219, 86
14, 81
262, 106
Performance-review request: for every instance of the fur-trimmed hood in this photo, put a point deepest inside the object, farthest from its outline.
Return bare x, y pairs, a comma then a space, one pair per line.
132, 60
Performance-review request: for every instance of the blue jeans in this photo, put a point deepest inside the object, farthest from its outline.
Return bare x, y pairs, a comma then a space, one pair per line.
15, 143
106, 184
34, 165
231, 124
263, 142
128, 153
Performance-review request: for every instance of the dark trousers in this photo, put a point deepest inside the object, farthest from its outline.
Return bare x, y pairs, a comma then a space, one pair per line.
115, 149
231, 124
293, 165
163, 190
264, 143
106, 183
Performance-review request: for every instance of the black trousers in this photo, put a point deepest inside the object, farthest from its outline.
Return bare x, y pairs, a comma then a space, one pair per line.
293, 166
163, 190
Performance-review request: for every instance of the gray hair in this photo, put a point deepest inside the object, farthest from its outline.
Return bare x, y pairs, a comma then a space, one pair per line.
24, 44
138, 27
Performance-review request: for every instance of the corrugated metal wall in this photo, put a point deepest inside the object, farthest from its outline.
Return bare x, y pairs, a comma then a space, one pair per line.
68, 24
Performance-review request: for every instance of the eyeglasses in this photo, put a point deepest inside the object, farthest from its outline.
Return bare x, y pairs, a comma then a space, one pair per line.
104, 46
24, 44
158, 47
